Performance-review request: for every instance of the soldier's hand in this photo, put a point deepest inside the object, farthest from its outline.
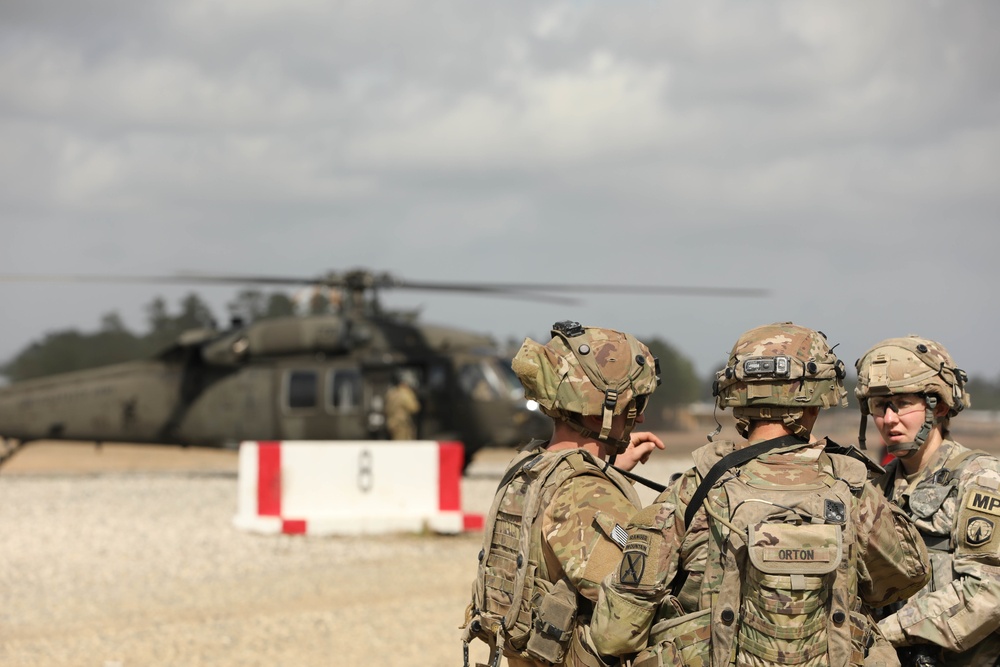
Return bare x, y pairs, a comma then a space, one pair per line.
641, 446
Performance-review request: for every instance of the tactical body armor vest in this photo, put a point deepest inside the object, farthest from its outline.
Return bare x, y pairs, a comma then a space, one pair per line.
925, 500
780, 583
946, 529
515, 607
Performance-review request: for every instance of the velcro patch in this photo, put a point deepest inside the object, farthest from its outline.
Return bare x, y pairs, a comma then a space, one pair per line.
638, 542
637, 569
620, 536
978, 531
984, 503
632, 568
797, 555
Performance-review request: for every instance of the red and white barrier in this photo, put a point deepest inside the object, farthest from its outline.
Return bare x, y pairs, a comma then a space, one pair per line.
351, 487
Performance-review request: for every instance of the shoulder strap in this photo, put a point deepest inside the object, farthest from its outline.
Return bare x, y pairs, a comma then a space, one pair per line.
534, 447
888, 480
514, 469
648, 483
729, 461
949, 473
956, 462
855, 453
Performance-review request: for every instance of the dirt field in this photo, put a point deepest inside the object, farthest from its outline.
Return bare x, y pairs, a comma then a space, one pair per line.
125, 556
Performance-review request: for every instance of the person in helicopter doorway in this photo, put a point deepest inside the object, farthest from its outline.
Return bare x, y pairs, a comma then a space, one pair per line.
912, 389
768, 551
402, 407
555, 527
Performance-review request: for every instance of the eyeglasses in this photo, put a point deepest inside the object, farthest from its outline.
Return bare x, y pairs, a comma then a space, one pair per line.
640, 403
901, 405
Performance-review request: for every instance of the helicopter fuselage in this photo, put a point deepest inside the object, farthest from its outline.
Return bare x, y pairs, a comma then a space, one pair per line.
254, 384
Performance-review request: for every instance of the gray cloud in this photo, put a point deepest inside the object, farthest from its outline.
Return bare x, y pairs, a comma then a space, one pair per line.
842, 155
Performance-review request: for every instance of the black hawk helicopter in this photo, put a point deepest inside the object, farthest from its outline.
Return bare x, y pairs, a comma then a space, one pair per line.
318, 377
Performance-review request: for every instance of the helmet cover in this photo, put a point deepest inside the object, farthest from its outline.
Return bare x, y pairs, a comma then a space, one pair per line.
585, 371
911, 365
782, 365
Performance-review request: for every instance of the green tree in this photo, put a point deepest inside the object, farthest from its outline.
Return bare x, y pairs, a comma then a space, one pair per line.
279, 305
985, 394
165, 328
680, 385
249, 305
71, 350
319, 303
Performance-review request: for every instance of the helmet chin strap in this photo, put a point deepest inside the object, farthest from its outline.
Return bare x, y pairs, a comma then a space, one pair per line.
604, 435
902, 450
792, 420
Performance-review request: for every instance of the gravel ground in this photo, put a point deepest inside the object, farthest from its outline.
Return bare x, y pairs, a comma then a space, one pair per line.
140, 565
130, 567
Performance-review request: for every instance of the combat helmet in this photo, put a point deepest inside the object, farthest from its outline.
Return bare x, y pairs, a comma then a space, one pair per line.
585, 371
777, 370
911, 365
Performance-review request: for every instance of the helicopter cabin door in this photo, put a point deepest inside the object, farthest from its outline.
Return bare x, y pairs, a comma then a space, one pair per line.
429, 381
321, 403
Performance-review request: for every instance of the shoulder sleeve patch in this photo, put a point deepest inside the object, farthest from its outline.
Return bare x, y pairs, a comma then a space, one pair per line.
978, 522
981, 501
979, 531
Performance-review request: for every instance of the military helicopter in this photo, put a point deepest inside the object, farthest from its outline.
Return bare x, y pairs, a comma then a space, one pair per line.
318, 377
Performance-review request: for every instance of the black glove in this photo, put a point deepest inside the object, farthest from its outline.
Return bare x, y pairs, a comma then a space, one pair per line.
923, 655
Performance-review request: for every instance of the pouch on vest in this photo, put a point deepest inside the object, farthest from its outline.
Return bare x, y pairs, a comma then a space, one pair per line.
515, 608
681, 641
553, 624
785, 593
781, 569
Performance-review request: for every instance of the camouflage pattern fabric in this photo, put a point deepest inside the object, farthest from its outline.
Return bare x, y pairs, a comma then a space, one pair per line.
781, 364
401, 404
891, 559
573, 374
911, 365
573, 537
958, 513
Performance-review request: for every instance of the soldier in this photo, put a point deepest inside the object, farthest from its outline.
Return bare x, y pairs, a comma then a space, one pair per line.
912, 388
555, 528
401, 405
766, 551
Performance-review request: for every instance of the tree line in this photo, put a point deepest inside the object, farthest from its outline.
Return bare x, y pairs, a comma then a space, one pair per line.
71, 350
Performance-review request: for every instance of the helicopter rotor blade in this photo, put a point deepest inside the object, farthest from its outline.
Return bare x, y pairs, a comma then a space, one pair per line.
359, 280
678, 290
332, 281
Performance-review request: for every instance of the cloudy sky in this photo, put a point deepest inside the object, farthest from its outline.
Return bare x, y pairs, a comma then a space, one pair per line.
845, 156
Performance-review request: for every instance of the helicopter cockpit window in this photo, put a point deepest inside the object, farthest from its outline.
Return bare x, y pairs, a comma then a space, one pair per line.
437, 377
345, 390
510, 379
484, 380
302, 389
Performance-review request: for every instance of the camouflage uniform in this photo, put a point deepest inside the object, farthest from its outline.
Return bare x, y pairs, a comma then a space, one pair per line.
891, 558
957, 513
401, 404
954, 501
576, 537
773, 374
